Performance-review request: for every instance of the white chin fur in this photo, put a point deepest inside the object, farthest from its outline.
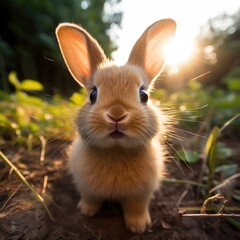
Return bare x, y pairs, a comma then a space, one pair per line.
125, 142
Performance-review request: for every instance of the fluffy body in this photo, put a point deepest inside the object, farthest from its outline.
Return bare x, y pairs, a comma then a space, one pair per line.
128, 169
118, 174
128, 175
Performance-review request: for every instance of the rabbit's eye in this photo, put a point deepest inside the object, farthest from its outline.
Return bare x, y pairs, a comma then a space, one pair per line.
93, 95
143, 95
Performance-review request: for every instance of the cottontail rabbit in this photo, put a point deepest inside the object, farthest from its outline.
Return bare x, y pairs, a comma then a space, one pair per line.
119, 153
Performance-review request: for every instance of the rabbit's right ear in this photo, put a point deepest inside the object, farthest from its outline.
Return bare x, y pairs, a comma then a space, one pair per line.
148, 51
81, 52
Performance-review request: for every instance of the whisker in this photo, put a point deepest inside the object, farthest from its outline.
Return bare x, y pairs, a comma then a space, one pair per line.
178, 165
186, 157
58, 117
177, 137
193, 134
51, 141
193, 79
198, 108
61, 146
188, 120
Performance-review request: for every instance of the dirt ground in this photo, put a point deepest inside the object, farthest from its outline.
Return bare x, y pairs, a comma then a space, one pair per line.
22, 217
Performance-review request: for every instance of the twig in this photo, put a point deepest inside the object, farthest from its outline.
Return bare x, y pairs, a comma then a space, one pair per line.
10, 197
229, 122
218, 214
30, 143
203, 215
181, 197
213, 198
43, 150
45, 182
212, 208
225, 182
90, 231
182, 181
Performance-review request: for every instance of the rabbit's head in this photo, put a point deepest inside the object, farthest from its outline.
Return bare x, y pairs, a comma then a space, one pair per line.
118, 111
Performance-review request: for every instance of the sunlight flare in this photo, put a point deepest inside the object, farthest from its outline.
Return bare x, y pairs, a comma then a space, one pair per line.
178, 51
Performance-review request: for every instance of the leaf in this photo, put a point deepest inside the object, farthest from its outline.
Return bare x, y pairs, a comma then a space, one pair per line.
4, 120
187, 156
225, 102
77, 98
233, 84
33, 127
12, 77
211, 150
223, 152
4, 96
31, 85
212, 140
24, 98
227, 170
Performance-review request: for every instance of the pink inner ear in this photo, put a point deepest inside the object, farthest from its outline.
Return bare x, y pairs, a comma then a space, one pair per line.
79, 47
158, 35
154, 56
148, 50
75, 52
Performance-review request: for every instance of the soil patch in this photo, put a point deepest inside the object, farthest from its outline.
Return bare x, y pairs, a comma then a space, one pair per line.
21, 217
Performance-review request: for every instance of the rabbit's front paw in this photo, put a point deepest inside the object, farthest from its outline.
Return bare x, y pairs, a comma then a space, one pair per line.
139, 223
88, 208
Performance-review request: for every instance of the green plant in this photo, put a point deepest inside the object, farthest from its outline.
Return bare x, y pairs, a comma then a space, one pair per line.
211, 155
25, 117
214, 162
214, 165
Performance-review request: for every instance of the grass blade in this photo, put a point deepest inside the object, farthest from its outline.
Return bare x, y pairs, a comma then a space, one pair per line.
234, 222
226, 124
211, 154
182, 181
22, 178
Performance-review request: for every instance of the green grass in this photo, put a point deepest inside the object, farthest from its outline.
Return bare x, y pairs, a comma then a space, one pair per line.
26, 115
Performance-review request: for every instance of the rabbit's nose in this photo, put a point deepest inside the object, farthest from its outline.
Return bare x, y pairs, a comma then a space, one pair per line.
116, 119
116, 113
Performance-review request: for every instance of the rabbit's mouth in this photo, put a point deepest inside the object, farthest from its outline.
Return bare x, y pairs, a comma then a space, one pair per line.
116, 134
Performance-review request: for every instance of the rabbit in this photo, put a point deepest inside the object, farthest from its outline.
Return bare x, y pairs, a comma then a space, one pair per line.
119, 153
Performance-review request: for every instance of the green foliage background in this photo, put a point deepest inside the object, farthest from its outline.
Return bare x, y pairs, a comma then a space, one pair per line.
27, 37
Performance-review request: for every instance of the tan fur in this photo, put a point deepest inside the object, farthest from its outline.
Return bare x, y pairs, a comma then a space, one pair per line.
126, 168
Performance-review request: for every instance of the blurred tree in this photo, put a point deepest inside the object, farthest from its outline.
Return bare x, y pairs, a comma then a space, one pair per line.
27, 36
217, 53
220, 46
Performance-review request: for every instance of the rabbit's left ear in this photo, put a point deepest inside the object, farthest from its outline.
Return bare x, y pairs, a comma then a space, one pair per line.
81, 52
148, 51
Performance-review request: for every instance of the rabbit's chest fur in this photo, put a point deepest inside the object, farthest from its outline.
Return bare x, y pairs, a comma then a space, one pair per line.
116, 173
